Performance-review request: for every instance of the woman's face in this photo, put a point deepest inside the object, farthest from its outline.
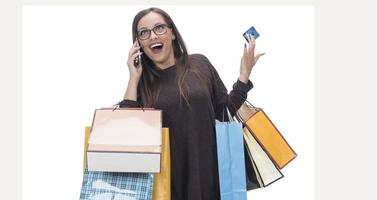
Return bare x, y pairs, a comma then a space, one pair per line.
158, 47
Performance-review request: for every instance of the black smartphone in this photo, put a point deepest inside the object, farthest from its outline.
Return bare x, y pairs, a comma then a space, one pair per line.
138, 58
253, 32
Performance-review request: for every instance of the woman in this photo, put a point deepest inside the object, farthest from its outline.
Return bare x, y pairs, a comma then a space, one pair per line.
191, 95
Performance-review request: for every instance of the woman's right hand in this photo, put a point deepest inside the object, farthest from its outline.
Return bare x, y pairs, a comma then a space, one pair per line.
135, 71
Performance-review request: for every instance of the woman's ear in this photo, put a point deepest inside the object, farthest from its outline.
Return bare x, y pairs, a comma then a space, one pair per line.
173, 37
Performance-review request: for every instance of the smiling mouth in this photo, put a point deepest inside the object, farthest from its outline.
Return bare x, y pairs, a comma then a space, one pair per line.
156, 48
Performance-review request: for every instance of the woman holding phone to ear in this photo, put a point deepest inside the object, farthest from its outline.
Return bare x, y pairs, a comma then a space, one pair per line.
189, 91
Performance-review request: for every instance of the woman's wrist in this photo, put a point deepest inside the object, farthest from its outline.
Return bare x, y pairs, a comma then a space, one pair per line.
243, 78
133, 80
131, 92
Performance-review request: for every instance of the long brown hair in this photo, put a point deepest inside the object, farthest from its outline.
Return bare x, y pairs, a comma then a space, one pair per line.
149, 84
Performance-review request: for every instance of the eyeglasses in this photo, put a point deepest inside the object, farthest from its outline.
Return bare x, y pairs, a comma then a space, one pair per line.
159, 29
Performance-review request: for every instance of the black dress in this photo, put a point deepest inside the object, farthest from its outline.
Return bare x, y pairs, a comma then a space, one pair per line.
194, 171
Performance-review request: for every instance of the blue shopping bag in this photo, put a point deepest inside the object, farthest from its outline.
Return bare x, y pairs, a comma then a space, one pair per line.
116, 186
231, 160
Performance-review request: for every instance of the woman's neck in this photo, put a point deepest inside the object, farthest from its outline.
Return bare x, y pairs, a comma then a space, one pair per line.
168, 63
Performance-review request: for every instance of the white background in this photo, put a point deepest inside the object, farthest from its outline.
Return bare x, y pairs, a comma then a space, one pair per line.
74, 59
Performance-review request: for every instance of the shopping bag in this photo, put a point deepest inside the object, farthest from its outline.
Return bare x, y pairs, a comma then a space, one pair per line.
125, 140
86, 138
252, 181
267, 135
161, 181
231, 161
116, 185
263, 170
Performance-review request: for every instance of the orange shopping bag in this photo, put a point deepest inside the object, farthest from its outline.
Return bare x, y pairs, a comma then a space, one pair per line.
267, 135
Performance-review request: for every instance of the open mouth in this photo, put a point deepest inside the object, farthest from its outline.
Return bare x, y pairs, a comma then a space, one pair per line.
156, 47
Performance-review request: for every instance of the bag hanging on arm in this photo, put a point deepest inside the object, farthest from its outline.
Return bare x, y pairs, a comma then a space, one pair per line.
162, 180
125, 140
231, 161
97, 185
267, 135
260, 170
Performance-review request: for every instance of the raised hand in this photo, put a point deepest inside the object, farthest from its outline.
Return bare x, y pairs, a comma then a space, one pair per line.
248, 60
135, 71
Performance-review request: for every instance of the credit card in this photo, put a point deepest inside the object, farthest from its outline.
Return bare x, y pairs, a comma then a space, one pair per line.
253, 33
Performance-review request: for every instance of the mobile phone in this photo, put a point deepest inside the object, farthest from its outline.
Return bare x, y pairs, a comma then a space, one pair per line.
138, 58
253, 32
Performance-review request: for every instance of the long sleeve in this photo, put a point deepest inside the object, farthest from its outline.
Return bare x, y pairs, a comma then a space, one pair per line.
125, 103
222, 99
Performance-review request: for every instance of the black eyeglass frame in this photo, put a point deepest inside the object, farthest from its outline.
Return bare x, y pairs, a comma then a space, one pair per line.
152, 29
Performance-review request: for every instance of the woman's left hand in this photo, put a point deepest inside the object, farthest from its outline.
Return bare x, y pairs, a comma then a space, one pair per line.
248, 60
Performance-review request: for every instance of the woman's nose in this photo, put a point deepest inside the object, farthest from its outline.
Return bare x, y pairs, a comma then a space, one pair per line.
153, 35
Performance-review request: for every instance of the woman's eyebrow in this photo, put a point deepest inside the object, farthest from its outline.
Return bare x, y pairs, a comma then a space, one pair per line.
144, 27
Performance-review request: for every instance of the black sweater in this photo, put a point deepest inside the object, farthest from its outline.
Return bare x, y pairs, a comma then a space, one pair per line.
194, 171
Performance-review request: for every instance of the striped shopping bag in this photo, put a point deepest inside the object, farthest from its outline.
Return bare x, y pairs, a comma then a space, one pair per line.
116, 185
